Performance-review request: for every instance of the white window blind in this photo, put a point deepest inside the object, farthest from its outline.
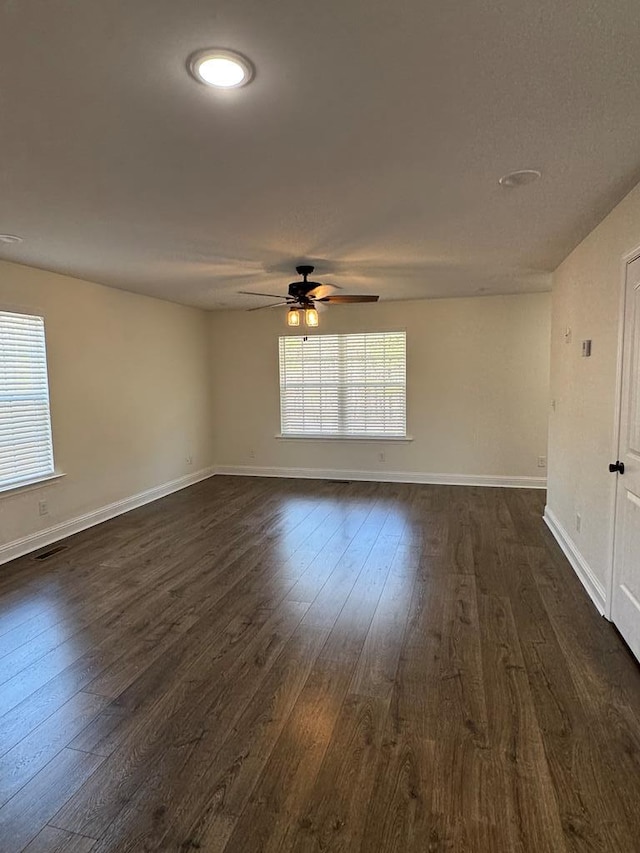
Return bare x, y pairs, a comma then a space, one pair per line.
26, 451
343, 385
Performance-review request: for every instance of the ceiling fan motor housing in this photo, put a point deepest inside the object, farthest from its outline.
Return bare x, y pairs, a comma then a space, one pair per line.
299, 289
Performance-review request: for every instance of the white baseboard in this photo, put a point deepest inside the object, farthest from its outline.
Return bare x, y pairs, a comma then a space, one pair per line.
385, 476
580, 566
42, 538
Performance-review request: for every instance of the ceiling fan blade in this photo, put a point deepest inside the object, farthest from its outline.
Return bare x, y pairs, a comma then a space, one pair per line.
260, 307
322, 290
269, 295
344, 300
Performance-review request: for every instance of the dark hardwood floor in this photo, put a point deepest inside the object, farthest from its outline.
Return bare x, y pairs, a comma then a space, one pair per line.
275, 665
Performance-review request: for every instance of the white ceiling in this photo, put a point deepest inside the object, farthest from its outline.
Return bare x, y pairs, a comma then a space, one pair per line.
370, 141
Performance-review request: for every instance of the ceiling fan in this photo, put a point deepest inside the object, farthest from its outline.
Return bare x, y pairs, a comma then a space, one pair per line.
304, 297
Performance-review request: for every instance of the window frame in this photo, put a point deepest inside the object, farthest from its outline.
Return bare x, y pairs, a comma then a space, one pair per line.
326, 436
52, 474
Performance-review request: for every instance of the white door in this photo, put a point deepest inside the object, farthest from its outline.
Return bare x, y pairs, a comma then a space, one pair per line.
625, 610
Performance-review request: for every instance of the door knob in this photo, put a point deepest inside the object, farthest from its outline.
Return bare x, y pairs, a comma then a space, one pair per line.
617, 466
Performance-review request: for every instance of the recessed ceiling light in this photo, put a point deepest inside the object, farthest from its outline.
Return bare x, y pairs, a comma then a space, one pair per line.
520, 178
10, 238
222, 69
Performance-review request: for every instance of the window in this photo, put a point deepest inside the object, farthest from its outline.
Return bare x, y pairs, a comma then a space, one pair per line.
343, 385
26, 451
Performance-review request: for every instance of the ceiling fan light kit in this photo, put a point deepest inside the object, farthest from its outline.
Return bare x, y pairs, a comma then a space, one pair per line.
310, 316
302, 297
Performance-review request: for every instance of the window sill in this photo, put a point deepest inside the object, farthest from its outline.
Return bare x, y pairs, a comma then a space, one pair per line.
376, 438
26, 485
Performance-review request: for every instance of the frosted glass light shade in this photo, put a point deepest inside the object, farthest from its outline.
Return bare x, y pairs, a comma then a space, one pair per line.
311, 317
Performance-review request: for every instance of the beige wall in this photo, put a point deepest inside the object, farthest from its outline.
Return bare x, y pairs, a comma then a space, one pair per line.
586, 299
130, 395
477, 394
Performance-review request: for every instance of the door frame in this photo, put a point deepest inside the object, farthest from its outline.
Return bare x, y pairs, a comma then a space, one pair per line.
627, 258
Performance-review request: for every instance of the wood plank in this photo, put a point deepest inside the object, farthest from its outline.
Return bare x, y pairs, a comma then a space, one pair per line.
32, 753
177, 727
460, 806
520, 765
22, 817
349, 633
270, 818
378, 662
398, 817
216, 785
148, 694
335, 813
576, 761
52, 840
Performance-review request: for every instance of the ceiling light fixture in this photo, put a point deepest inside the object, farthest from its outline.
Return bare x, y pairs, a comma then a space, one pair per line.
519, 178
222, 69
10, 238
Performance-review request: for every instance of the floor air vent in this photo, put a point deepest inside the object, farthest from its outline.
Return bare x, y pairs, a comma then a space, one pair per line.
46, 554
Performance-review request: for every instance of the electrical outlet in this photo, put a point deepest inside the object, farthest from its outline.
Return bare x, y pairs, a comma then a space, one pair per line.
578, 522
542, 461
189, 460
382, 457
43, 509
252, 454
